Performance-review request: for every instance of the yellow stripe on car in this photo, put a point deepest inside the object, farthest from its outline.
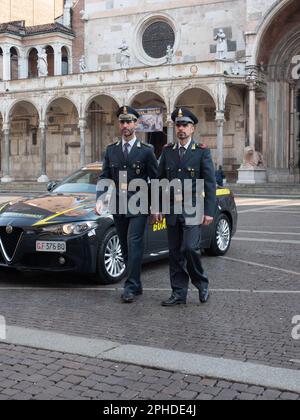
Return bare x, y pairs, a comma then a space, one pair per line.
45, 221
220, 192
223, 191
1, 208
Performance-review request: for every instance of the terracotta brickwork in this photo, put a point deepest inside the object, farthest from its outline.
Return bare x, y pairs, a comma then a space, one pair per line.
78, 28
34, 12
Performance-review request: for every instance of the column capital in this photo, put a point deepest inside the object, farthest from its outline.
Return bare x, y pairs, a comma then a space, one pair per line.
6, 48
6, 127
220, 117
42, 125
170, 122
253, 86
82, 125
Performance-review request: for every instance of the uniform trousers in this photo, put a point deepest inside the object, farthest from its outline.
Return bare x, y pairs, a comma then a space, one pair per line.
131, 234
185, 258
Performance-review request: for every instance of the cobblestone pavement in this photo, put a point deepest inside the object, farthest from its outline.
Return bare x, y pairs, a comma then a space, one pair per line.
27, 373
255, 295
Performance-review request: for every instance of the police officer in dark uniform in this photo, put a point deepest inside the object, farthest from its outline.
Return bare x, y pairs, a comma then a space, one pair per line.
187, 160
136, 160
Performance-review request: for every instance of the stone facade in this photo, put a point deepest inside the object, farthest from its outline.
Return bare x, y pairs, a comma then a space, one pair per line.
52, 125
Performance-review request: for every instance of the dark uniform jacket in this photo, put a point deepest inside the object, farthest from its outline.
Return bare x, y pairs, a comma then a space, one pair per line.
141, 164
196, 164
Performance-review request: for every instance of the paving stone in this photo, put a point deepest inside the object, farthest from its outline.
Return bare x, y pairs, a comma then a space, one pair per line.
227, 395
186, 395
204, 397
289, 396
246, 396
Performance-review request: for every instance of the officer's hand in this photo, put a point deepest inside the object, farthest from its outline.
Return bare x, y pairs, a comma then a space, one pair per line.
160, 218
207, 220
99, 207
156, 218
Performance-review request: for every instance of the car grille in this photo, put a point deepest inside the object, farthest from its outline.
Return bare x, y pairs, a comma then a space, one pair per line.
9, 241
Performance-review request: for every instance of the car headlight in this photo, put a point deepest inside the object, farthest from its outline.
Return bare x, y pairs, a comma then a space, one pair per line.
68, 229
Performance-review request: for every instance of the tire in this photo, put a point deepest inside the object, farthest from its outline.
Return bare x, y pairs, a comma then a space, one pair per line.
222, 236
110, 266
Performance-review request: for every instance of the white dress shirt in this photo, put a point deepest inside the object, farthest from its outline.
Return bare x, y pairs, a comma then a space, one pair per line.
131, 144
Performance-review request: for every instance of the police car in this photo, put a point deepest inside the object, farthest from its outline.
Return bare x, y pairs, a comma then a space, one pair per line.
59, 231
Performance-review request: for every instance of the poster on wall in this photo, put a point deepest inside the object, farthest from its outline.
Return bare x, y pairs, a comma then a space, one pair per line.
151, 120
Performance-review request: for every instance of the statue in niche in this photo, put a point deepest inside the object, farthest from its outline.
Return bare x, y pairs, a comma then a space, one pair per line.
125, 55
222, 48
43, 63
82, 64
170, 54
235, 69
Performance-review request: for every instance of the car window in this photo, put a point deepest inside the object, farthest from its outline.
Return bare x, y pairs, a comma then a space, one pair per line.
83, 181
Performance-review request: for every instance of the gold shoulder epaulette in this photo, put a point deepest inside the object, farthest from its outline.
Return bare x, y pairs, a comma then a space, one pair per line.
147, 144
116, 143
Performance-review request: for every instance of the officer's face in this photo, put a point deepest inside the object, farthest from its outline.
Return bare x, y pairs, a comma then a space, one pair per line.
128, 127
184, 131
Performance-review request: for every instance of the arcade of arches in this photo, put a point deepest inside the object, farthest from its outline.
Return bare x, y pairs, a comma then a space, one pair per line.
61, 142
16, 64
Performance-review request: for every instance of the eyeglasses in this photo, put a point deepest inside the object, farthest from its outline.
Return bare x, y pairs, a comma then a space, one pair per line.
183, 124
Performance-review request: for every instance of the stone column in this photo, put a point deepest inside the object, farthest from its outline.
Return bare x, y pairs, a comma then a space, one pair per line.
82, 127
170, 130
6, 155
23, 65
292, 151
57, 60
6, 63
252, 114
43, 153
220, 118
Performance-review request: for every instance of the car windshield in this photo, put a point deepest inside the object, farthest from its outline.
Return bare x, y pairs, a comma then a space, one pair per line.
83, 181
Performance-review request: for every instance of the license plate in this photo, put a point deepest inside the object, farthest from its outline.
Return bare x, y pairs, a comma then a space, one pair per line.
47, 246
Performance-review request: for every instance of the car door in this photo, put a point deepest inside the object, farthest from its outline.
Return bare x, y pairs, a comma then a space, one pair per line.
156, 237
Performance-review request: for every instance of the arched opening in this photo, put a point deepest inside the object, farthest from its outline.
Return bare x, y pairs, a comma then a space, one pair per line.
63, 138
50, 60
1, 64
235, 131
33, 63
153, 122
277, 59
64, 61
202, 104
14, 64
102, 124
24, 142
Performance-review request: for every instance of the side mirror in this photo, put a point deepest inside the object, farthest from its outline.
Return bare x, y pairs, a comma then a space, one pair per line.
51, 185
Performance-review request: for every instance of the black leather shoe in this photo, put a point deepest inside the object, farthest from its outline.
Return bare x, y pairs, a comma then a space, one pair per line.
204, 295
138, 293
128, 298
173, 301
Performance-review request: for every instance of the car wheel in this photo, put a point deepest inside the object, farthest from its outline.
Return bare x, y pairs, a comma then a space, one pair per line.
222, 235
110, 268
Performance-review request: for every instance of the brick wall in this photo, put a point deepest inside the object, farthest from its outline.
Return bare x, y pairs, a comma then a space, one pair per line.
33, 12
78, 28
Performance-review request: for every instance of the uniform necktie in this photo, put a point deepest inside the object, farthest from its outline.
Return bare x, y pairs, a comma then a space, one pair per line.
181, 152
126, 150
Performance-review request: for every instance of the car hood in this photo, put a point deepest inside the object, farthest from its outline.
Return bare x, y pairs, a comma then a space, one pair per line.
48, 209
